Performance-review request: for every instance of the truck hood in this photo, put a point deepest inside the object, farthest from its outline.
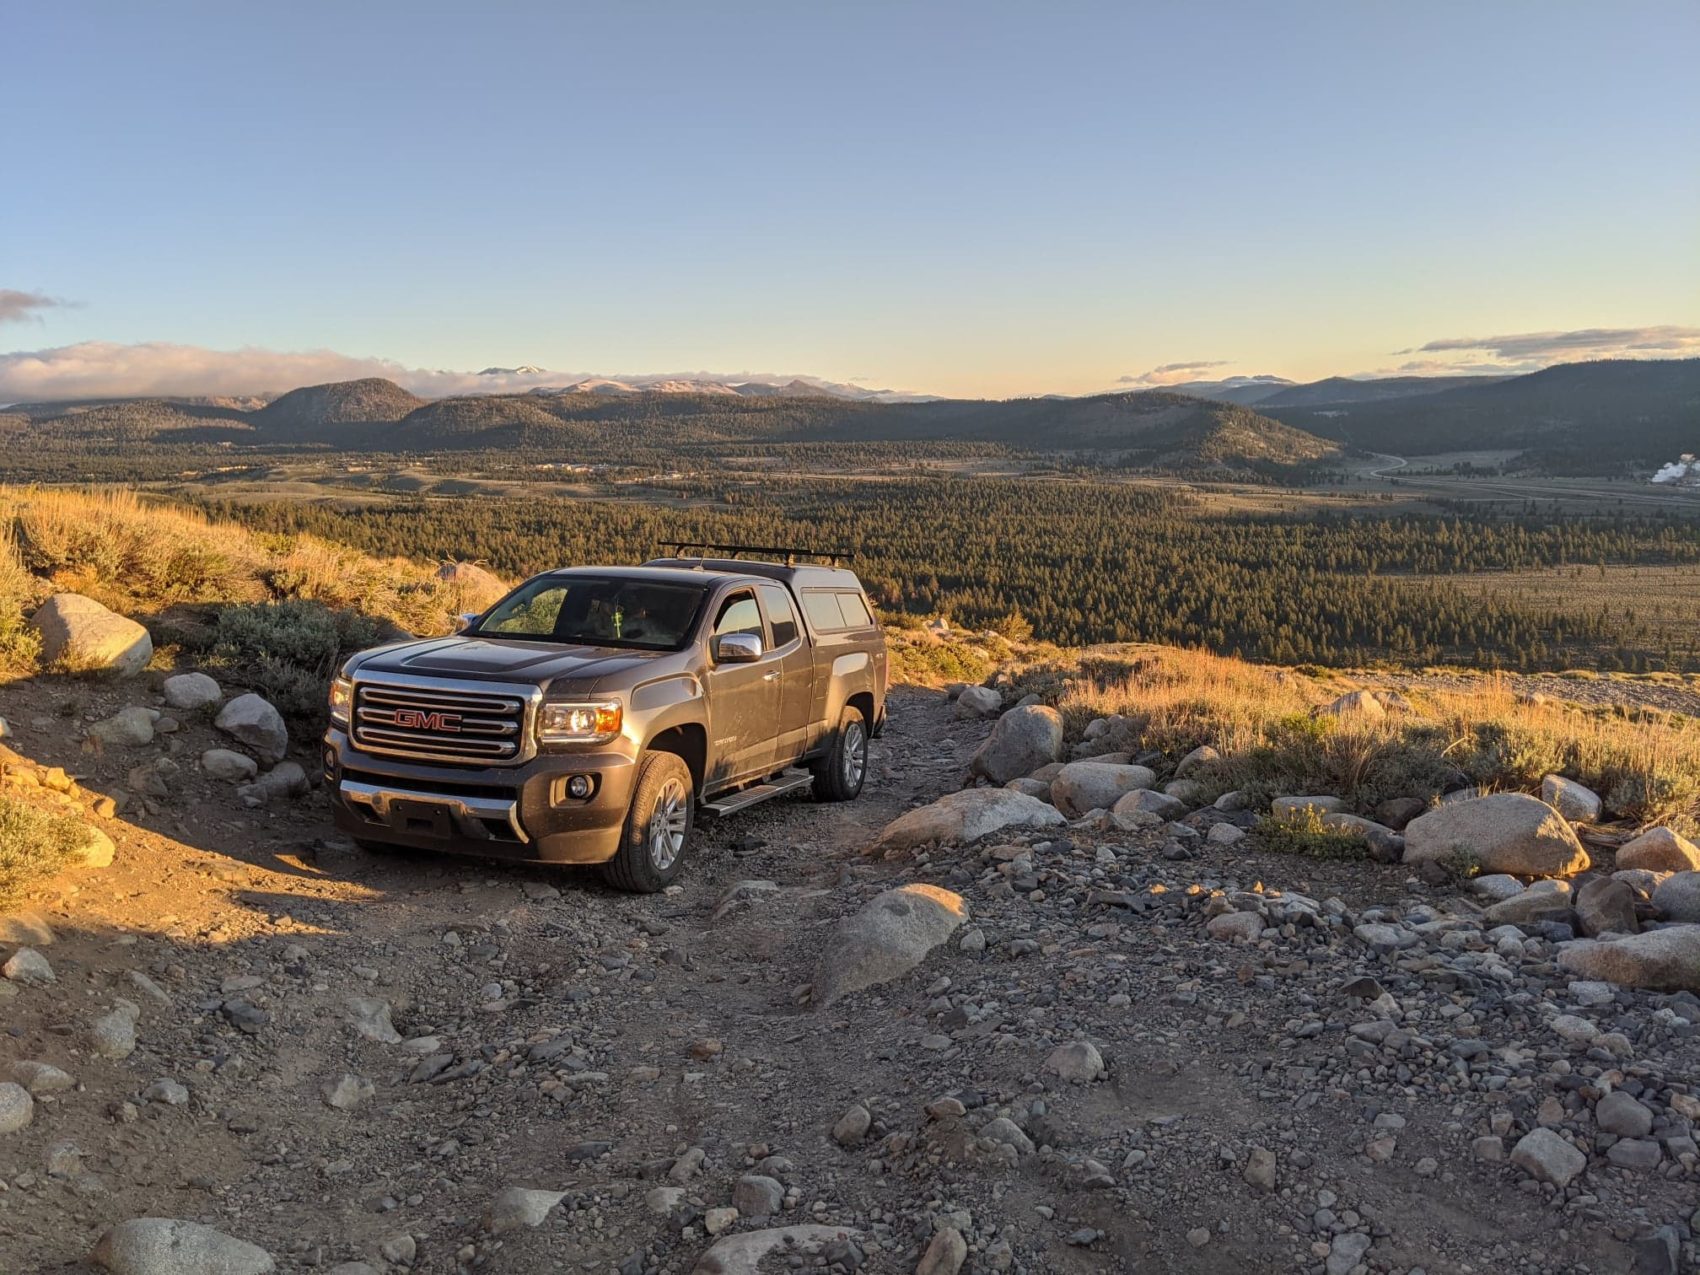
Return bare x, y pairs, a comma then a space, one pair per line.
478, 658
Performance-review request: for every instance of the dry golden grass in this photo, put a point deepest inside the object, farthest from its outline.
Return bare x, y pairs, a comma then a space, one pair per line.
1644, 763
140, 558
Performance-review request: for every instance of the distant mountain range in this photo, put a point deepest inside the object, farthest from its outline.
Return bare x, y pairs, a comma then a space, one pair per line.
1587, 417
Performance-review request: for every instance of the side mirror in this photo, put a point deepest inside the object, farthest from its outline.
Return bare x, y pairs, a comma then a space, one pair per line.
737, 648
465, 620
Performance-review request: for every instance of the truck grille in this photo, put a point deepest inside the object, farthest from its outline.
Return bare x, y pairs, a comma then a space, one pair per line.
435, 724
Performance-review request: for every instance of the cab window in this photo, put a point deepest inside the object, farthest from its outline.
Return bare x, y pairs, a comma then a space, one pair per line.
738, 615
781, 618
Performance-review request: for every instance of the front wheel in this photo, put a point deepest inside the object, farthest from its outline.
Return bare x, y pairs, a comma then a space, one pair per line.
657, 829
840, 774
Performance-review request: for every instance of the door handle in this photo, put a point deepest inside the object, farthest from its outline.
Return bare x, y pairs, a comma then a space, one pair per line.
768, 677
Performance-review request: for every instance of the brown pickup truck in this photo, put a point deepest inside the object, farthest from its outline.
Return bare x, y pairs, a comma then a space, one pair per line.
594, 712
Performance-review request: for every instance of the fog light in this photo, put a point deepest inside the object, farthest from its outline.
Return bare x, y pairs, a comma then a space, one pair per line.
579, 786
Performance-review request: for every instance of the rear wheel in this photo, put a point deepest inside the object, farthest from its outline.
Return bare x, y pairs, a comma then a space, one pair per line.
657, 829
841, 773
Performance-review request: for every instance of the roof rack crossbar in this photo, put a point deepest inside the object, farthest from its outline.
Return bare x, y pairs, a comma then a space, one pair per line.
790, 553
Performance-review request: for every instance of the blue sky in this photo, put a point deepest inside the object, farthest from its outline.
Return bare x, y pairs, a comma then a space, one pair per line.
978, 198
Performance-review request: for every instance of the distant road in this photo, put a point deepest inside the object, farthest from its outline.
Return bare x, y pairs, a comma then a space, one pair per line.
1398, 462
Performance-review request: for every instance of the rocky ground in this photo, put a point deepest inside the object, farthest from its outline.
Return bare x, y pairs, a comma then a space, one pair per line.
1138, 1046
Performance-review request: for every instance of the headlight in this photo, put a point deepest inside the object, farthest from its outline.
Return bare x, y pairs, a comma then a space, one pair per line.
341, 697
580, 723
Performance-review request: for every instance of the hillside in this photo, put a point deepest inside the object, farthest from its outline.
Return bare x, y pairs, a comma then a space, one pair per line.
1610, 416
1344, 389
1234, 439
315, 411
485, 421
1587, 417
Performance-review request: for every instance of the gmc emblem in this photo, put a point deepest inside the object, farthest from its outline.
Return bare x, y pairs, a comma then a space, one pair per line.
413, 719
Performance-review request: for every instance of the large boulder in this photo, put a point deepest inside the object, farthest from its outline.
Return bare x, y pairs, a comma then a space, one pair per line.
978, 701
1094, 785
85, 637
1662, 960
1023, 740
1202, 756
166, 1246
1359, 704
1604, 906
1575, 802
252, 720
966, 816
1505, 832
1677, 897
1660, 850
887, 938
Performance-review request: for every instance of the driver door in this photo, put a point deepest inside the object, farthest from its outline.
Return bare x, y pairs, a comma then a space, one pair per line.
743, 699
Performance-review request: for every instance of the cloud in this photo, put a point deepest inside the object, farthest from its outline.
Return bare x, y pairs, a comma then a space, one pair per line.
1172, 373
1666, 341
105, 369
20, 307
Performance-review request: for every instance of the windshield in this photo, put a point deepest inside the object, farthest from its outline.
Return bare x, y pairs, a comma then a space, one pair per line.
597, 611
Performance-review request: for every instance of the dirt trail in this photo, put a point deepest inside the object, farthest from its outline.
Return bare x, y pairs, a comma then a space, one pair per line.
565, 1037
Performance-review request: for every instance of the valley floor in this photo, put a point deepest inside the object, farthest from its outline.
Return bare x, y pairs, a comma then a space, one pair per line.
614, 1048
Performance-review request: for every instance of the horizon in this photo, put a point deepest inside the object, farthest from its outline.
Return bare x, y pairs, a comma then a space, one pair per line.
957, 201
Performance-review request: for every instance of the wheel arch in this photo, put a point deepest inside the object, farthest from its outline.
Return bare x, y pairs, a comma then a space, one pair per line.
689, 742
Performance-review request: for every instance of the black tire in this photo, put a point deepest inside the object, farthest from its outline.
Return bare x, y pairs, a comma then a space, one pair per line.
650, 855
839, 775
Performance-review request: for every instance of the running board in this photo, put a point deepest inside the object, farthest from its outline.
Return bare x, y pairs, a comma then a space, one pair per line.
754, 795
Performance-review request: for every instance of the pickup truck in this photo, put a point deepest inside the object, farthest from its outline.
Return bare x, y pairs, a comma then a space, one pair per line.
594, 712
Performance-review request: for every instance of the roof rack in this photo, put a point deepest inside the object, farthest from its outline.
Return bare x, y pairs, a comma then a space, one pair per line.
790, 553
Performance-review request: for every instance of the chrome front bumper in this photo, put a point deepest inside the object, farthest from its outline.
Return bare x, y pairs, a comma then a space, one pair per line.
472, 815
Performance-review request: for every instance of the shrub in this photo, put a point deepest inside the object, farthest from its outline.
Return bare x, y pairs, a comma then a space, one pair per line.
34, 844
1304, 833
20, 645
287, 651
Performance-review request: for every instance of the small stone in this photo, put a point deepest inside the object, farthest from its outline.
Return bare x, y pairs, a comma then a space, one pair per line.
346, 1092
190, 691
370, 1017
17, 1108
168, 1093
1260, 1169
515, 1207
1545, 1156
1346, 1252
1199, 1236
40, 1077
757, 1196
113, 1035
1077, 1062
714, 1221
852, 1126
946, 1253
1235, 927
29, 967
